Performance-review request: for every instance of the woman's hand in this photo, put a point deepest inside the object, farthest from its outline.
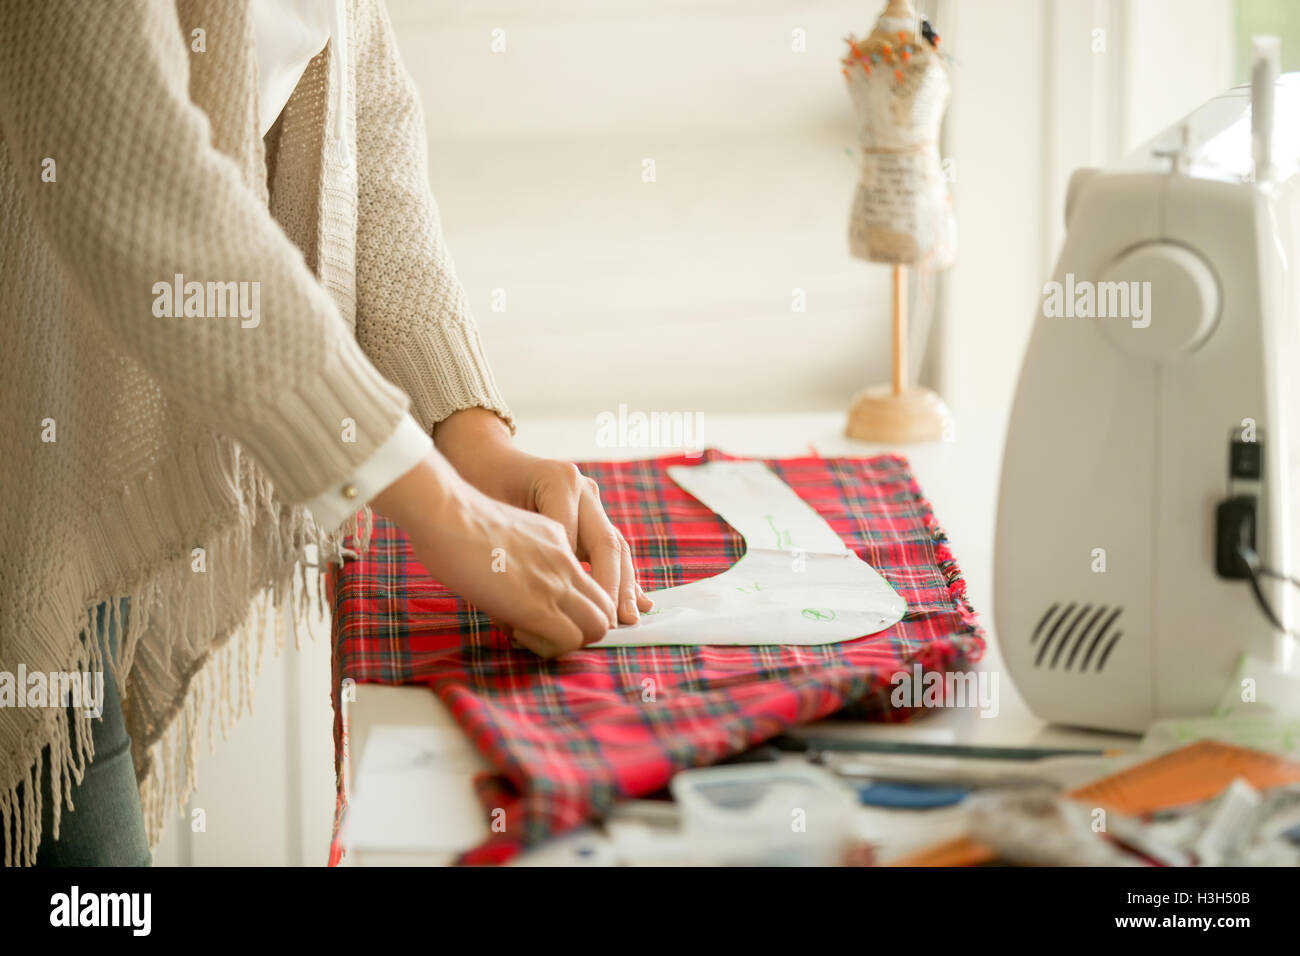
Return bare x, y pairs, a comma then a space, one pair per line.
516, 566
478, 444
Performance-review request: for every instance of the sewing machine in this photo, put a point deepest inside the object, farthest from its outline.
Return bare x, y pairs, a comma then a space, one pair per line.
1145, 512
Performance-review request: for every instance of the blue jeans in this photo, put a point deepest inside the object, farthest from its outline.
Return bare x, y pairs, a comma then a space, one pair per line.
106, 828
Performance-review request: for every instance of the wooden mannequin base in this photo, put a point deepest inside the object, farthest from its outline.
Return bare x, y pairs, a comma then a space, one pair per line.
914, 415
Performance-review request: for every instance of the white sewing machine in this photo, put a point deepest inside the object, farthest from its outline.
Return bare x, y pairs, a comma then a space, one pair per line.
1154, 426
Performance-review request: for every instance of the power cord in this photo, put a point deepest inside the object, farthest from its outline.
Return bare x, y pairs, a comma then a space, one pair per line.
1239, 513
1257, 571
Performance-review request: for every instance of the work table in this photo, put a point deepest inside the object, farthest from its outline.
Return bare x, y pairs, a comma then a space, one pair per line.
447, 818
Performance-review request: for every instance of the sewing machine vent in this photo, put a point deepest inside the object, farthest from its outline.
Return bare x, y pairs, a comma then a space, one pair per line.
1076, 634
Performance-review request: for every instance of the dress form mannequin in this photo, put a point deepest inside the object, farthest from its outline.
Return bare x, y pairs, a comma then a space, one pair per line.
901, 214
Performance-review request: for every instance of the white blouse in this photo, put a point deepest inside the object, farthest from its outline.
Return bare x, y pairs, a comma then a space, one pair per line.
288, 34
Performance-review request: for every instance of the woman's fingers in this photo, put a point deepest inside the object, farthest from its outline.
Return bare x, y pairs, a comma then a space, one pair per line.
573, 501
560, 639
575, 619
603, 547
515, 565
610, 557
589, 616
559, 498
643, 601
576, 582
628, 589
574, 623
585, 586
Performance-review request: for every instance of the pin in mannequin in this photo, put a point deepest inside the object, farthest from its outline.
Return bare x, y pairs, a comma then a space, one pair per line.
902, 215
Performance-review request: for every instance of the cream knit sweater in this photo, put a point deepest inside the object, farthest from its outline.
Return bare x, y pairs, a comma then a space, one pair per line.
129, 154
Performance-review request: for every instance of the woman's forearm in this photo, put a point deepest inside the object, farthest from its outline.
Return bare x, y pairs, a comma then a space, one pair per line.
479, 446
417, 499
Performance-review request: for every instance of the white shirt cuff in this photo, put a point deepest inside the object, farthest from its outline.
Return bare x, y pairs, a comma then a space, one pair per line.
399, 453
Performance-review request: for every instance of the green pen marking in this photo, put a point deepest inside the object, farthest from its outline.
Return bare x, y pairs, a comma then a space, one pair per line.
818, 614
782, 534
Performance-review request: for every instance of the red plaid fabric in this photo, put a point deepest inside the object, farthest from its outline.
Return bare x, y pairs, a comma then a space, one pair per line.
570, 737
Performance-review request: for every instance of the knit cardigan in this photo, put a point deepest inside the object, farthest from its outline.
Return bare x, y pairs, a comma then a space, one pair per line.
159, 453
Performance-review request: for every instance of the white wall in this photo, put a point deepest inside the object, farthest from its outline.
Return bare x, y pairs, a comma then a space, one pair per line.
267, 791
670, 295
1192, 62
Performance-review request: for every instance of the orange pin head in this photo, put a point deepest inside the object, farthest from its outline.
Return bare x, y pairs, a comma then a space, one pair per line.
898, 75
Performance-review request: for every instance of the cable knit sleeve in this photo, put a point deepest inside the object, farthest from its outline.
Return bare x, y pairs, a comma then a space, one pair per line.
142, 196
413, 318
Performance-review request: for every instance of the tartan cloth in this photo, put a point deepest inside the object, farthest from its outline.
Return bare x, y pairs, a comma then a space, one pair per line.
569, 737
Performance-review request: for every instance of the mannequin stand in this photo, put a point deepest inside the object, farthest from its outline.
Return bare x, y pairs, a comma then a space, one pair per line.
898, 413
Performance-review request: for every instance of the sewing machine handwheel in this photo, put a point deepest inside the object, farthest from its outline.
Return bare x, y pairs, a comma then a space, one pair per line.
1178, 292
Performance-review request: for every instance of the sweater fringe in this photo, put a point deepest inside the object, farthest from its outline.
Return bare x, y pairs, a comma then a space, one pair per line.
217, 689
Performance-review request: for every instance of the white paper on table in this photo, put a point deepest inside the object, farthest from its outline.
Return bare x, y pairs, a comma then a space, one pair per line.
796, 583
405, 770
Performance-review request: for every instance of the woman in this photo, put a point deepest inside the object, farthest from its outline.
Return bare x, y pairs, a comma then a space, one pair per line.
230, 321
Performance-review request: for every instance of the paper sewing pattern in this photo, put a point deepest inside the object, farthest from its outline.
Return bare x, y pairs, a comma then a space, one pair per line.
796, 583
